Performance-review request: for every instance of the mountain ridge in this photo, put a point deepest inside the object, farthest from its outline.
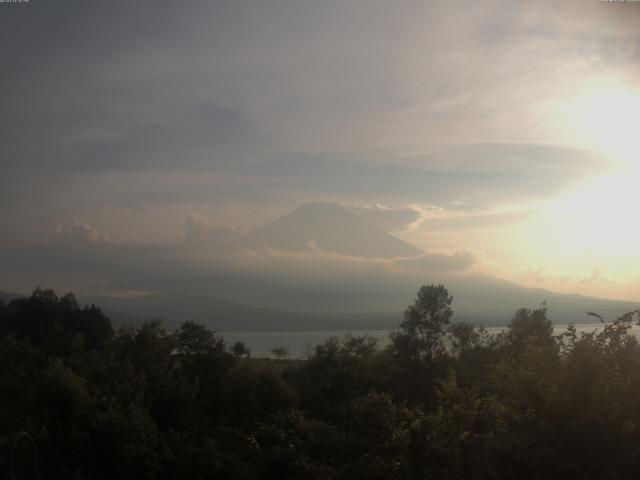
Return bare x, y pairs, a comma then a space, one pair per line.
227, 315
331, 227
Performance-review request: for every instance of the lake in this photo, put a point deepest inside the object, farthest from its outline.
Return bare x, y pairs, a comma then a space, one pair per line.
299, 342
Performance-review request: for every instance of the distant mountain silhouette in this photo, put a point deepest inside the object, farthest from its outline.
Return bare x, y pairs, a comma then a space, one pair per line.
475, 301
225, 315
329, 227
6, 297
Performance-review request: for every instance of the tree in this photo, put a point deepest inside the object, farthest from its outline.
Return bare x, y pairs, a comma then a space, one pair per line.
59, 323
423, 327
531, 327
240, 349
419, 348
280, 352
195, 338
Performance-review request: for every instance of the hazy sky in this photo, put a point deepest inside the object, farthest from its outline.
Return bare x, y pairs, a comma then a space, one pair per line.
501, 132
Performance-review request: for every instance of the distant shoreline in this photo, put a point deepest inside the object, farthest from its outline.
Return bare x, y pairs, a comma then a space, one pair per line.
299, 342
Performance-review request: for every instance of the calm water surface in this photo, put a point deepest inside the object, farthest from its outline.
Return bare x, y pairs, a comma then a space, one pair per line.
299, 342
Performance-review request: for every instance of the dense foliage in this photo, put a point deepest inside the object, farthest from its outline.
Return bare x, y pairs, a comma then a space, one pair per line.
442, 401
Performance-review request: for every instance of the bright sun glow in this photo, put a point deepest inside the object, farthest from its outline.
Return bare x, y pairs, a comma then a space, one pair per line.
600, 217
604, 115
595, 226
584, 239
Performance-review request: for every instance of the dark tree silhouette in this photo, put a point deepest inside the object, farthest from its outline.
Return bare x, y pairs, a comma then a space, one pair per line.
441, 401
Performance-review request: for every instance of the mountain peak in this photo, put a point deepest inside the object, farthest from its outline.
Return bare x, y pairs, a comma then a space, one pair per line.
331, 227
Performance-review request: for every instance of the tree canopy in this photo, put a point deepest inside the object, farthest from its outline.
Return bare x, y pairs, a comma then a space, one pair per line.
443, 400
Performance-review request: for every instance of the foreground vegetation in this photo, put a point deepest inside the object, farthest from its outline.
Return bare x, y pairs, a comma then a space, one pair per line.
442, 401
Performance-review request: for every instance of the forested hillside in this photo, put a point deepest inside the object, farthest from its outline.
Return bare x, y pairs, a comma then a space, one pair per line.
442, 401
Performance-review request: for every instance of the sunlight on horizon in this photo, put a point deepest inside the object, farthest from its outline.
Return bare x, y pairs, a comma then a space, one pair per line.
584, 240
592, 228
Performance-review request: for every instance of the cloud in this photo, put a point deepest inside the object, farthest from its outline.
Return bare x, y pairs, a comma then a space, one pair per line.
596, 277
130, 115
80, 233
97, 139
282, 104
200, 231
201, 264
539, 277
467, 221
393, 219
313, 280
474, 175
316, 261
438, 262
154, 85
149, 204
190, 135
